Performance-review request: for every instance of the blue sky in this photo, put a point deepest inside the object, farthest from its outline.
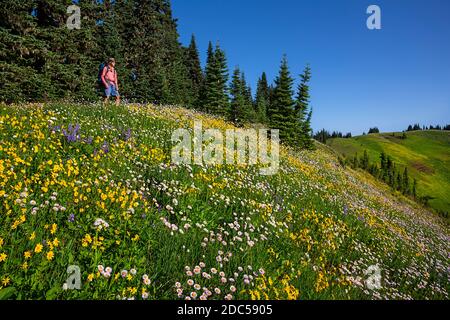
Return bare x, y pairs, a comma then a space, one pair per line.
361, 78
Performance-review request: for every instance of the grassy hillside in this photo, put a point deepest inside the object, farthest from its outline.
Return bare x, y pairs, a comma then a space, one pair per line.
425, 153
92, 187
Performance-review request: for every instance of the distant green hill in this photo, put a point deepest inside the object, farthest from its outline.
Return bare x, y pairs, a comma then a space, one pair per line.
426, 153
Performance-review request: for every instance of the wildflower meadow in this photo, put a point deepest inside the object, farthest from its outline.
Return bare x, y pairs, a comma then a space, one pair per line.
92, 207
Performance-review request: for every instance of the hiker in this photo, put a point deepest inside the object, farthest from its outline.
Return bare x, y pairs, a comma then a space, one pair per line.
109, 80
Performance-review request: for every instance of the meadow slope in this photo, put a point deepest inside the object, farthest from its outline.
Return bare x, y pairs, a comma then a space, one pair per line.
425, 153
92, 187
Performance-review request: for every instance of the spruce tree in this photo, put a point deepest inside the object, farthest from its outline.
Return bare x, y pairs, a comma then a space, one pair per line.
208, 84
155, 55
405, 185
241, 106
215, 89
281, 113
303, 112
192, 61
23, 54
262, 99
222, 99
365, 160
237, 100
249, 108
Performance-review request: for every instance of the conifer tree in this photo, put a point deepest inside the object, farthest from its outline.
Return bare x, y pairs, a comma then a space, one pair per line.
241, 106
405, 186
222, 99
399, 182
365, 160
303, 112
262, 99
195, 70
237, 100
209, 80
249, 108
22, 54
281, 113
215, 95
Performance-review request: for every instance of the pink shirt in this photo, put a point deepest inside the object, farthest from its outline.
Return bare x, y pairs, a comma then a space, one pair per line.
109, 76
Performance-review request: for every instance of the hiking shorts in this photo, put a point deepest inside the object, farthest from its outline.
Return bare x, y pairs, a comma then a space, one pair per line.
112, 91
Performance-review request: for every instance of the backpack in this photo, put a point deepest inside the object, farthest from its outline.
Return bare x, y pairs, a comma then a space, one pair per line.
100, 86
100, 71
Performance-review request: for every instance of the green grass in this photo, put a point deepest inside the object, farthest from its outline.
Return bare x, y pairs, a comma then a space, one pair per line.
425, 153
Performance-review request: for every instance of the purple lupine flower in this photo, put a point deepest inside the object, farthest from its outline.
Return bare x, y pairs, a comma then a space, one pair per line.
105, 147
55, 128
71, 133
126, 135
71, 218
345, 210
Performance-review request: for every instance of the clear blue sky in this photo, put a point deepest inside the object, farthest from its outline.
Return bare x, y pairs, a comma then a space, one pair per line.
361, 78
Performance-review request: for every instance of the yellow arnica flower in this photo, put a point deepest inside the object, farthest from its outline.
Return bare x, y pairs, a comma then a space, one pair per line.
91, 277
50, 255
38, 248
27, 254
3, 257
6, 281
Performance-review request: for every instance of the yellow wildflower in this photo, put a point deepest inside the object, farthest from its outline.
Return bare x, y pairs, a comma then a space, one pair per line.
38, 248
50, 255
6, 281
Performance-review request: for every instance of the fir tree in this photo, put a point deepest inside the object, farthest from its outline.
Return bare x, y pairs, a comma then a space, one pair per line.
23, 54
249, 104
216, 96
405, 185
222, 79
241, 107
281, 113
303, 112
209, 79
195, 71
237, 100
262, 99
365, 160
